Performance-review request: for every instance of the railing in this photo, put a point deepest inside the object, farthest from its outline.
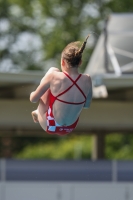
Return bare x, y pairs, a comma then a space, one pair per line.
66, 170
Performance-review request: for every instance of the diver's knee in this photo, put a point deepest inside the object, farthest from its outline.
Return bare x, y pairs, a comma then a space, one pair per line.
51, 69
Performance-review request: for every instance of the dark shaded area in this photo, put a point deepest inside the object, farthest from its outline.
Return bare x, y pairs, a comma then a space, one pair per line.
12, 145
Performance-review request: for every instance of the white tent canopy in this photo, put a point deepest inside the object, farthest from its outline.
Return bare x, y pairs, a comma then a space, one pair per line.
117, 66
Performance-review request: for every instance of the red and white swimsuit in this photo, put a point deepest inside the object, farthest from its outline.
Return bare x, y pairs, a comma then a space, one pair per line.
52, 126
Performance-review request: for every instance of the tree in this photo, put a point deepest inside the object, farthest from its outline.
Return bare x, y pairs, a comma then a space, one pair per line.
35, 32
21, 44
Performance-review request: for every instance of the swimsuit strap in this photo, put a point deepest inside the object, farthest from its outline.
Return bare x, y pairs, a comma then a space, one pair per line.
74, 83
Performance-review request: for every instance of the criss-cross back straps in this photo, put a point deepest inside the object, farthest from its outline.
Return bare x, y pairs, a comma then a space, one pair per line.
74, 83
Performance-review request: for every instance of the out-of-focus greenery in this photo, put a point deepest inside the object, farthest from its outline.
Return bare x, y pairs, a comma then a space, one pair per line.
76, 147
117, 146
34, 32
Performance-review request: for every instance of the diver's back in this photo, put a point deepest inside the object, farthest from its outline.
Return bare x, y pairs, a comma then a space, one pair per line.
70, 92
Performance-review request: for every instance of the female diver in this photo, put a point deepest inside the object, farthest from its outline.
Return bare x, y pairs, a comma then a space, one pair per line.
63, 94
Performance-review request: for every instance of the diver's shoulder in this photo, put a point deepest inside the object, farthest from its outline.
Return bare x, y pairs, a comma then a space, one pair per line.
86, 77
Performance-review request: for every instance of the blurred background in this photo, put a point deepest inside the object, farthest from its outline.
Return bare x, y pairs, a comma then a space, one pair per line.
84, 164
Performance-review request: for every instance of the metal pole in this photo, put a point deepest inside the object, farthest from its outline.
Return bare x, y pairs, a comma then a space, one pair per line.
3, 178
114, 170
106, 63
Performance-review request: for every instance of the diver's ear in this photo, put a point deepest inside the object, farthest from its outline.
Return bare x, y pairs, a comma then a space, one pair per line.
62, 62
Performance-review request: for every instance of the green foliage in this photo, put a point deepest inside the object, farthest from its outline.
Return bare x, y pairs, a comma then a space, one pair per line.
50, 25
121, 6
55, 23
119, 147
73, 147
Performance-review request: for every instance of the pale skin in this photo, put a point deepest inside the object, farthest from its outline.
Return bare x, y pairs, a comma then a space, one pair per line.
57, 82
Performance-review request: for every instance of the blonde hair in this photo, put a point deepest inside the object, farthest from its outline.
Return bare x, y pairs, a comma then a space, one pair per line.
72, 53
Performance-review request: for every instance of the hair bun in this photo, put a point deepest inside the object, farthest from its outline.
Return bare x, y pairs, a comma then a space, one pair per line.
80, 51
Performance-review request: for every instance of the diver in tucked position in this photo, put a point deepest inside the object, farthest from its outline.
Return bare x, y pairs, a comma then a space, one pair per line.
63, 94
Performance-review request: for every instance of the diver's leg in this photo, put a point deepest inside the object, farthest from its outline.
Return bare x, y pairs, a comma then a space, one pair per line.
42, 107
38, 114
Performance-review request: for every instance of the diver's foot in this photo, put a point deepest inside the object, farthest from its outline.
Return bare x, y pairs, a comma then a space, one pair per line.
35, 116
